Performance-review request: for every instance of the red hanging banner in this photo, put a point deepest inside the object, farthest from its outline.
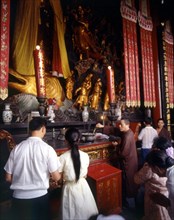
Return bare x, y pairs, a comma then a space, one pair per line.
151, 70
130, 62
136, 65
168, 40
128, 92
144, 68
4, 47
129, 16
148, 68
146, 26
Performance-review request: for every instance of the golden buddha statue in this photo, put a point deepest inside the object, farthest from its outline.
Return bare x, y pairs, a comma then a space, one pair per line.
27, 84
69, 87
84, 90
96, 95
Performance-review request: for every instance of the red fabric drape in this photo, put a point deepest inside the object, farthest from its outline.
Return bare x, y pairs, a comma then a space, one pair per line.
4, 47
146, 26
56, 64
130, 55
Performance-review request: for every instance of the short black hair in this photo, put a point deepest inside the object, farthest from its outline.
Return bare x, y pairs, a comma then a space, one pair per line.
160, 119
159, 158
36, 123
148, 120
161, 143
126, 120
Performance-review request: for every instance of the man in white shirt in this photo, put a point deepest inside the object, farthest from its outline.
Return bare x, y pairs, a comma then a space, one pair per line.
28, 168
147, 136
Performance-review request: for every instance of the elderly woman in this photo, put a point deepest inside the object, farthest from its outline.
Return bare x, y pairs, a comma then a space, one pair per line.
163, 165
152, 183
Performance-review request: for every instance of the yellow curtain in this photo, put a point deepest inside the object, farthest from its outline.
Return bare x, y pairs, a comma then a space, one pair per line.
25, 36
56, 5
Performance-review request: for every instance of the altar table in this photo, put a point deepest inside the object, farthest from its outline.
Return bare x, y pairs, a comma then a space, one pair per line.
106, 184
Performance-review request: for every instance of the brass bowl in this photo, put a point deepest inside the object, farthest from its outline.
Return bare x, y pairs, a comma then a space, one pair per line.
88, 137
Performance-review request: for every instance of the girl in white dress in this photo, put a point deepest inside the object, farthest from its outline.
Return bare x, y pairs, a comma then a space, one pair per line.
78, 202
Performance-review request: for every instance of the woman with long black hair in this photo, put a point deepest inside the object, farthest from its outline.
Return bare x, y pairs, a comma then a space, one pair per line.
77, 199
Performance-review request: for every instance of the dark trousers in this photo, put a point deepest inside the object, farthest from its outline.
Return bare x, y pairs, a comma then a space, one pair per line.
31, 209
144, 153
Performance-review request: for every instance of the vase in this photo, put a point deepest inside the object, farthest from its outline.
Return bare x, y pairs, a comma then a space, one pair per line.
51, 113
118, 112
85, 114
7, 114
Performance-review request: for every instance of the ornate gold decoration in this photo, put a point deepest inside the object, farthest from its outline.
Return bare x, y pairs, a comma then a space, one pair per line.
96, 95
93, 155
69, 87
84, 89
6, 135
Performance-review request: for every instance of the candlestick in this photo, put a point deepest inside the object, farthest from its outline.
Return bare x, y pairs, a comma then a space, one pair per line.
112, 117
39, 71
110, 84
42, 106
103, 116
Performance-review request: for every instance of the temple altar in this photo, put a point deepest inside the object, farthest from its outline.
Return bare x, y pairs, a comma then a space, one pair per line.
130, 37
20, 130
99, 152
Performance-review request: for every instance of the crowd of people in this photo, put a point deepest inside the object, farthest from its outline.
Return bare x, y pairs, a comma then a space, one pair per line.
32, 162
150, 175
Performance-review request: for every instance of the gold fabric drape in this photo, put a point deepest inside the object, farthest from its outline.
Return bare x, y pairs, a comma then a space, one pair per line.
25, 36
60, 28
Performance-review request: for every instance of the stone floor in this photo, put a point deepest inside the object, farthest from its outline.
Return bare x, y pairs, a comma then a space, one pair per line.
130, 212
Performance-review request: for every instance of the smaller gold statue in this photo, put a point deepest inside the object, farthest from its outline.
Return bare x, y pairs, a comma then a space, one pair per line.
88, 83
96, 95
106, 102
69, 87
84, 89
